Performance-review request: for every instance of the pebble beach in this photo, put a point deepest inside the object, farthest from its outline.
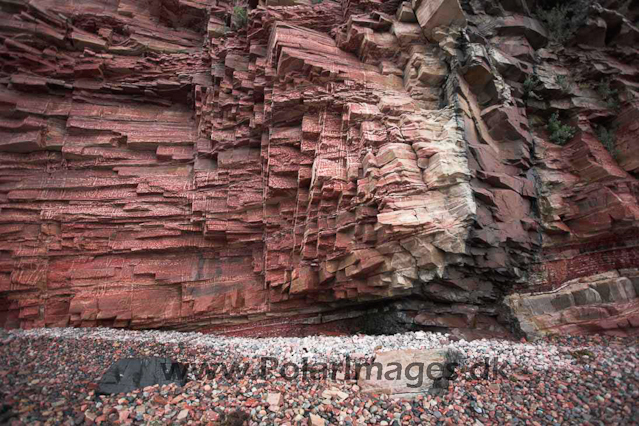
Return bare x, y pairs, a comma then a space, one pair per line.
50, 376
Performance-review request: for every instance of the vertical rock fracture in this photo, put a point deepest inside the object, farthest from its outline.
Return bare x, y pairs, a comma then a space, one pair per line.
291, 166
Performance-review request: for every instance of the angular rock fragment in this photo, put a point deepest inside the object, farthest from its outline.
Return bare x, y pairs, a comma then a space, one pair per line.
128, 374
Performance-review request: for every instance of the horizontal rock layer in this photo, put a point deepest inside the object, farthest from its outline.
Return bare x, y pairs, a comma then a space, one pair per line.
163, 165
604, 303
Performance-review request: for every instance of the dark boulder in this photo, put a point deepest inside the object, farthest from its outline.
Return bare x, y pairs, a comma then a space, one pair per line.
5, 411
134, 373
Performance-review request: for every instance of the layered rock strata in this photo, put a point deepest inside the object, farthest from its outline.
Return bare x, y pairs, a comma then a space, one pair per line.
603, 303
163, 166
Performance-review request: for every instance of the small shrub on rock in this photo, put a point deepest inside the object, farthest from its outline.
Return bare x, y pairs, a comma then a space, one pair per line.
531, 83
564, 83
608, 138
610, 96
560, 133
240, 17
564, 18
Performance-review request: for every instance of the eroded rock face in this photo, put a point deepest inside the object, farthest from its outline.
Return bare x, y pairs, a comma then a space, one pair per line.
163, 168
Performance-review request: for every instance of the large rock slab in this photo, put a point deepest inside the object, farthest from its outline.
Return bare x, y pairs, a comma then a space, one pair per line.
605, 303
432, 14
410, 372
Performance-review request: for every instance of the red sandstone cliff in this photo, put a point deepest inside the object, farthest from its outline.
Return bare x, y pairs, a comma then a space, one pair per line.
163, 166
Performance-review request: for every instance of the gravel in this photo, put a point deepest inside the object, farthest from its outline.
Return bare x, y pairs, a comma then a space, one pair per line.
49, 376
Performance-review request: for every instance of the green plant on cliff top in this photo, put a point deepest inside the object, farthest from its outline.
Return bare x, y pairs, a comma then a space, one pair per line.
608, 138
564, 83
560, 133
610, 96
564, 18
531, 83
240, 17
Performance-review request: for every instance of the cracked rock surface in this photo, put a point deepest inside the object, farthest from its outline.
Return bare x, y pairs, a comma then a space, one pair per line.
162, 166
